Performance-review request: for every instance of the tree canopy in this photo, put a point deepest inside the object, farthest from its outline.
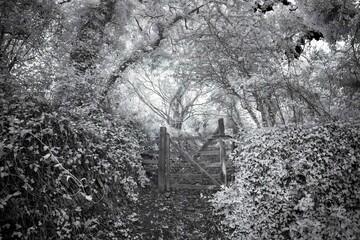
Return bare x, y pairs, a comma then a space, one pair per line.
285, 62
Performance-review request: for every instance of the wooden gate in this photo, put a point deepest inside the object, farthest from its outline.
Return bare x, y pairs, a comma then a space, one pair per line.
192, 162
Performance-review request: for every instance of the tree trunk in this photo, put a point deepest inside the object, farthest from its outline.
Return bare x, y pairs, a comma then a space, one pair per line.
90, 36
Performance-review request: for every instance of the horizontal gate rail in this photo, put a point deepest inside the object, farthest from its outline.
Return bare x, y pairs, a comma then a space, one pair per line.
192, 175
208, 165
197, 187
149, 161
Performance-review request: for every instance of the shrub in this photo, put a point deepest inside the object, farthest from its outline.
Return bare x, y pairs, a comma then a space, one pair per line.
66, 175
295, 183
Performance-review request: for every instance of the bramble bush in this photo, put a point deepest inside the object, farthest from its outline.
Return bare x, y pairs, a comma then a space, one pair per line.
66, 174
295, 183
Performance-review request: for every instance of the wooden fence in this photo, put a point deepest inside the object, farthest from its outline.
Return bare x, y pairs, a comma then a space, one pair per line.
204, 168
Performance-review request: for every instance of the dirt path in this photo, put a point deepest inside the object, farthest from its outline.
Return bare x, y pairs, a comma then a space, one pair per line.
185, 214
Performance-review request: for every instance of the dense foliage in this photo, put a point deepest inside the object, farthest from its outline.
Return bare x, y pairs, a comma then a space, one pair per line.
65, 174
295, 183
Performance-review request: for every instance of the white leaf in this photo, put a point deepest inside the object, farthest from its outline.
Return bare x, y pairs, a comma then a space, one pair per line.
88, 197
3, 174
16, 194
78, 209
57, 165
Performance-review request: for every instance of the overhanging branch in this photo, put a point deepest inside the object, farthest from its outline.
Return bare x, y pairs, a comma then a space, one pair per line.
139, 54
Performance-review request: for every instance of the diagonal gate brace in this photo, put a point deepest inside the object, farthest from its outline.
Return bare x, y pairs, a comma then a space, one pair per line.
191, 160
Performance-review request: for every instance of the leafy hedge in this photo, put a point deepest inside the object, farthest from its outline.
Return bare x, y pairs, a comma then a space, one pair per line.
295, 183
66, 175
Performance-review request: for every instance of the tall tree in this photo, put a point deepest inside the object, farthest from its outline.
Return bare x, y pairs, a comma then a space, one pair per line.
160, 22
250, 49
169, 96
90, 35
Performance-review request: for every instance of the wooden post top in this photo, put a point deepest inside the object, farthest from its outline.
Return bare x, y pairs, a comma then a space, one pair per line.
221, 126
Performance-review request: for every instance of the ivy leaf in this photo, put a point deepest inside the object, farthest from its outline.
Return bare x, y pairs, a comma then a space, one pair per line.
61, 126
88, 197
9, 146
78, 209
16, 194
57, 165
3, 174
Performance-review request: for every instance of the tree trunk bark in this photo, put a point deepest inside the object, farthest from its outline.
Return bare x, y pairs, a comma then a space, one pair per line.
90, 36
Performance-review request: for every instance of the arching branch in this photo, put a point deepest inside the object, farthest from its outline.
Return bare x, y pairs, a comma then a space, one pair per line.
139, 54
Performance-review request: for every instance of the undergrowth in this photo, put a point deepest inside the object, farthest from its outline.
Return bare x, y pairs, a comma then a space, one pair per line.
65, 174
295, 183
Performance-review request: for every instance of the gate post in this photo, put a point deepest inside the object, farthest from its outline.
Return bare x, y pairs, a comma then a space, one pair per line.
167, 164
162, 160
223, 176
221, 127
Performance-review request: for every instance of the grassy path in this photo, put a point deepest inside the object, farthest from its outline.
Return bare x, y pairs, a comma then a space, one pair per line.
185, 214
